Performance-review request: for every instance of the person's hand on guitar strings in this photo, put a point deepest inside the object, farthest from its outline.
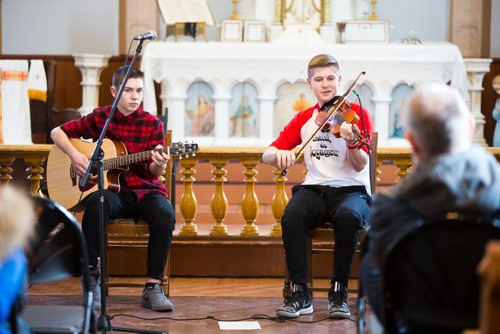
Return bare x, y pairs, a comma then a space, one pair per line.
80, 162
159, 160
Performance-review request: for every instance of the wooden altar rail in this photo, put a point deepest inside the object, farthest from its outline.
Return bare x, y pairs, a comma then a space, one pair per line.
35, 155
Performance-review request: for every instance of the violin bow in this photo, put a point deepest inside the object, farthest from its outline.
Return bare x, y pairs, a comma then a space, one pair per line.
331, 111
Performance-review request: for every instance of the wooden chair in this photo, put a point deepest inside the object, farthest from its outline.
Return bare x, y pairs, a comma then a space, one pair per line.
320, 240
134, 233
489, 322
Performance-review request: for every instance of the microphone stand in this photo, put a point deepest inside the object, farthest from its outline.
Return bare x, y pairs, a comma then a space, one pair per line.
104, 323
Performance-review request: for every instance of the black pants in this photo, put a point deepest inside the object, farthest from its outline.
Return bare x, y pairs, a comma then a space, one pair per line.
346, 208
154, 208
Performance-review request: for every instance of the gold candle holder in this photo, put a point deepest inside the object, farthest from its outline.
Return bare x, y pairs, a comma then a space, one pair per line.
373, 17
235, 11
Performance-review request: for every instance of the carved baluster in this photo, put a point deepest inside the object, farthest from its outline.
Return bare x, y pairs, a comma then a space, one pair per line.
280, 199
403, 165
377, 172
219, 204
35, 171
6, 170
250, 202
189, 203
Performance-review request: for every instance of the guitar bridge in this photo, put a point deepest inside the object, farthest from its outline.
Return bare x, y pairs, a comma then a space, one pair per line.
72, 175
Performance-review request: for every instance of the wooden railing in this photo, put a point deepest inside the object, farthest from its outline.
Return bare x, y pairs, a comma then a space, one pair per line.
34, 157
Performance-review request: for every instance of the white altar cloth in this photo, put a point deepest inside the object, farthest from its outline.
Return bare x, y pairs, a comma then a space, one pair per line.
14, 108
268, 65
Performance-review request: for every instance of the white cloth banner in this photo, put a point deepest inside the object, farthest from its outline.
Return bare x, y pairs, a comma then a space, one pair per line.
37, 81
15, 108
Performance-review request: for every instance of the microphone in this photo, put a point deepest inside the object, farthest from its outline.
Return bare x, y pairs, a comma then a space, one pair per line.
147, 35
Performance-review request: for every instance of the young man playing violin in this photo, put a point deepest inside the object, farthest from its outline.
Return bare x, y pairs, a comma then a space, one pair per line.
141, 194
336, 189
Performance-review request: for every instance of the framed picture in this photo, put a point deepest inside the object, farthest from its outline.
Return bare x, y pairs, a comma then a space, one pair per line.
255, 31
366, 31
231, 31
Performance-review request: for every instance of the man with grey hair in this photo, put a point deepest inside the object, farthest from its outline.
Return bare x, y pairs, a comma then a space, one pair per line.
450, 174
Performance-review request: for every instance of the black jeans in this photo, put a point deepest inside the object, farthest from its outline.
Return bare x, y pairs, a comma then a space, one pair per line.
312, 205
154, 208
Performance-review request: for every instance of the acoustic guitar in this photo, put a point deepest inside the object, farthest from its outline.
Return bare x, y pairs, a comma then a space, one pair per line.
63, 182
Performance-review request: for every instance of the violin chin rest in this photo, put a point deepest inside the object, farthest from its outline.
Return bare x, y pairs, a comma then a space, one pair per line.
327, 105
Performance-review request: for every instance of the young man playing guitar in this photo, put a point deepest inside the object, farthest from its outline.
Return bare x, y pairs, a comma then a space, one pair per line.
141, 195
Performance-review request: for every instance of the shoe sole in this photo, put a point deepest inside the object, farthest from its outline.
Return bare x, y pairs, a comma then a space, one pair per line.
304, 311
146, 304
339, 315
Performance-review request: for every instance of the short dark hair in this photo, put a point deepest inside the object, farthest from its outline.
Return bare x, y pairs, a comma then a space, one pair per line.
322, 60
119, 75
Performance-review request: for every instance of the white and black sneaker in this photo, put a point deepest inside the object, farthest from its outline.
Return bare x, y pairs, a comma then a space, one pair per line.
299, 302
337, 298
154, 298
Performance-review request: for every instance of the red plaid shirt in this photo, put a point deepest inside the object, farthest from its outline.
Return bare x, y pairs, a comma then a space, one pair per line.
139, 131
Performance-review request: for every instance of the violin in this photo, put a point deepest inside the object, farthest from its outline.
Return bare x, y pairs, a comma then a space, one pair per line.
330, 119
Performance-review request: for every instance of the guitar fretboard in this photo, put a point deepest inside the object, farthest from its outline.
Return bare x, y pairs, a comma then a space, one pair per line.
128, 159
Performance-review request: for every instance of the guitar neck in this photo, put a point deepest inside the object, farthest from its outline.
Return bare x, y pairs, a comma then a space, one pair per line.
129, 159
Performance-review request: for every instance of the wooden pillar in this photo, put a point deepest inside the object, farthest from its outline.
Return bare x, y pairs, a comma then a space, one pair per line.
250, 202
280, 200
470, 27
137, 17
219, 204
189, 203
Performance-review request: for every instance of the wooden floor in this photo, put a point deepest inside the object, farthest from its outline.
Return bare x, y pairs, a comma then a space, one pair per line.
197, 299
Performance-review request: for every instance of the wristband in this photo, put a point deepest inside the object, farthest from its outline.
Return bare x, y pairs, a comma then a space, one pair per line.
352, 147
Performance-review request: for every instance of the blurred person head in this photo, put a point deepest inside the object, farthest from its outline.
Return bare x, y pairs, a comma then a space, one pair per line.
437, 121
17, 220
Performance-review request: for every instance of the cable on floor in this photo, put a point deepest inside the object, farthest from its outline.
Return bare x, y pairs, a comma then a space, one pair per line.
211, 317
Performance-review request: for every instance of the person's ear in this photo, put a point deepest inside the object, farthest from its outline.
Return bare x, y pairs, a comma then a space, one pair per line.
113, 91
417, 151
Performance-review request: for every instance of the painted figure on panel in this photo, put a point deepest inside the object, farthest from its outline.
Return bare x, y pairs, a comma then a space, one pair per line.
200, 111
496, 112
243, 120
244, 106
290, 97
203, 122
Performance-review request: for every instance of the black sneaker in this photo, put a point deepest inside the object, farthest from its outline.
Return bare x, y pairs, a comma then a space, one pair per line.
95, 287
299, 302
337, 298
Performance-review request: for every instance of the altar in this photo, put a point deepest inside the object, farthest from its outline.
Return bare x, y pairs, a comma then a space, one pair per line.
271, 78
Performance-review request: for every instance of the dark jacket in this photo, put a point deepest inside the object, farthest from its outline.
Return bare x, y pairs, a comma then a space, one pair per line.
466, 181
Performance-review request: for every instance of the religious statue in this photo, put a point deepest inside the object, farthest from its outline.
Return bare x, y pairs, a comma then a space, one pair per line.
496, 112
